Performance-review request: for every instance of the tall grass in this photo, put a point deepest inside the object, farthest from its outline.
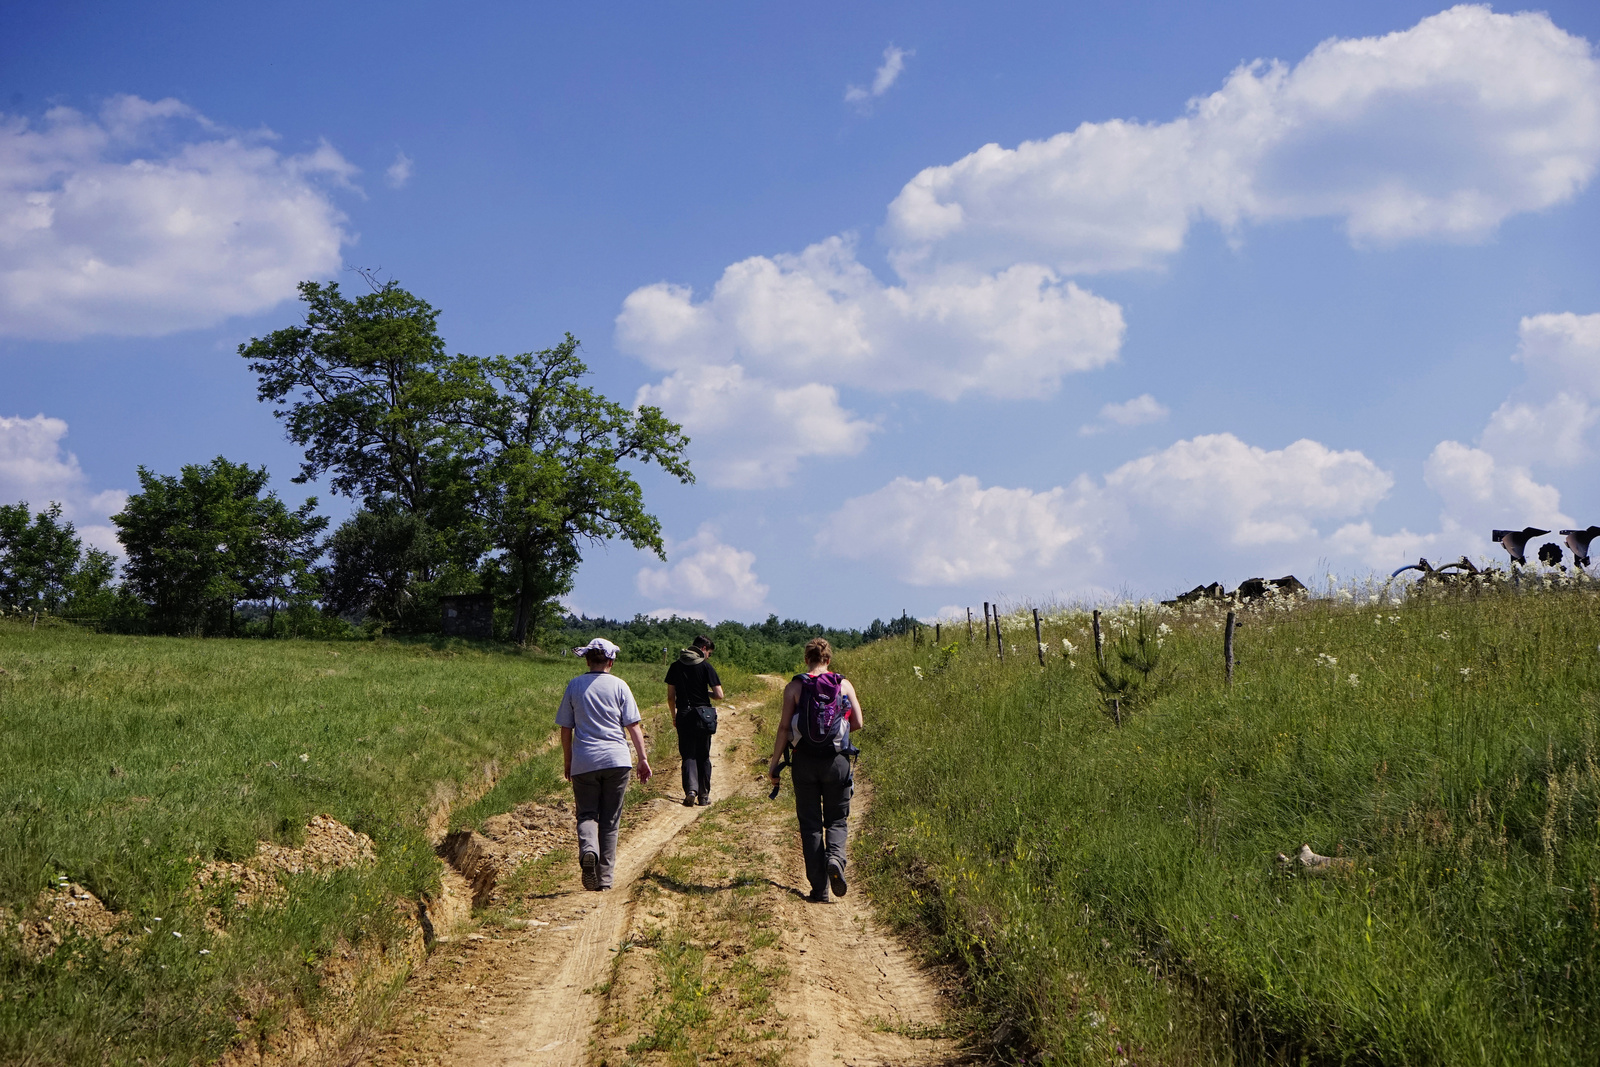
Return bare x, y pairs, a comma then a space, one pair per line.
1114, 893
125, 762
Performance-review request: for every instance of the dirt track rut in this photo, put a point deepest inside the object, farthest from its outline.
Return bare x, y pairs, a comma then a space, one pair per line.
778, 981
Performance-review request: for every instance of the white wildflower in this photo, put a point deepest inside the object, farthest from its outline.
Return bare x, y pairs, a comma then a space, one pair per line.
1327, 660
1068, 646
1163, 630
1355, 679
304, 756
918, 670
1465, 671
1394, 618
205, 952
1445, 636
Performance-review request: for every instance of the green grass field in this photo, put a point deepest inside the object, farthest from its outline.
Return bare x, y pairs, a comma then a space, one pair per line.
125, 762
1113, 895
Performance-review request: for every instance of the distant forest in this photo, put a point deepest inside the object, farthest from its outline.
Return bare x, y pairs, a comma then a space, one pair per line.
773, 646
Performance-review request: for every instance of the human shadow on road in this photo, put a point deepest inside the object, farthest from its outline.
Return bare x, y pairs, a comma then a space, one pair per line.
674, 885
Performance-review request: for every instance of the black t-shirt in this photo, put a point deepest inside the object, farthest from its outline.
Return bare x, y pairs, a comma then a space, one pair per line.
693, 682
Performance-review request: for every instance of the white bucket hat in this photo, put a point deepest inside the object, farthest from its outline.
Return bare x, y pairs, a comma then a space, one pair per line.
599, 644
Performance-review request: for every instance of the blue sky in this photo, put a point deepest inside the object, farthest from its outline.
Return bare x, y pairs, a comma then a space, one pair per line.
1192, 316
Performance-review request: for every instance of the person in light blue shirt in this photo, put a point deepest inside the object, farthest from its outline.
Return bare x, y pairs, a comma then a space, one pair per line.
598, 717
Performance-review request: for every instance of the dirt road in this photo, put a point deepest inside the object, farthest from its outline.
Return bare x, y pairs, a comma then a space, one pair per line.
704, 951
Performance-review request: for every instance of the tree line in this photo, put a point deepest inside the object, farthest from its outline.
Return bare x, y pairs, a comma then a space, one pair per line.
771, 646
471, 474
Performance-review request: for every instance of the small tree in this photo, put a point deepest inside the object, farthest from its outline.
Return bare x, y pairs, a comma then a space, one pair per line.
1131, 662
44, 566
376, 556
199, 543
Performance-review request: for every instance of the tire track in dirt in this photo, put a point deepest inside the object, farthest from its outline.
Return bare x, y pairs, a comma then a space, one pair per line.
857, 996
575, 990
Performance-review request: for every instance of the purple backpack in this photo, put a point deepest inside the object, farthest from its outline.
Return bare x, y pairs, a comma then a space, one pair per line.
823, 711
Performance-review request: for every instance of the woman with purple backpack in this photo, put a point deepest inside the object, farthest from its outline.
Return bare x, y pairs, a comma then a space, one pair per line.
820, 709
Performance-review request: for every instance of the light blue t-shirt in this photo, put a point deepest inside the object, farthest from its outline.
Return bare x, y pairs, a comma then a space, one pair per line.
598, 708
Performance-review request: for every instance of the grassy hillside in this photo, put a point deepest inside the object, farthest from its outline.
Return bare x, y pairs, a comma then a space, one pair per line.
126, 762
1114, 892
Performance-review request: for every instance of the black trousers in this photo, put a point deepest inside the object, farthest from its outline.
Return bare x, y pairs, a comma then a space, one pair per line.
694, 748
823, 786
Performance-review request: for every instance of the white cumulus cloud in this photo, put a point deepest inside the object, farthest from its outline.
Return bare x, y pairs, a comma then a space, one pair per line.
705, 573
751, 434
1246, 495
1549, 421
1480, 493
35, 468
147, 218
1142, 410
937, 532
823, 316
1442, 130
894, 62
1232, 499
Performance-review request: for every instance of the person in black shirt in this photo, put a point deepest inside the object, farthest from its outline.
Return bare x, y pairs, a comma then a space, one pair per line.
692, 683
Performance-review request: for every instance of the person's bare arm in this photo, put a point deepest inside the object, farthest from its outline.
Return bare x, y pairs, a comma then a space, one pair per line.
672, 697
716, 691
637, 736
566, 753
855, 705
791, 693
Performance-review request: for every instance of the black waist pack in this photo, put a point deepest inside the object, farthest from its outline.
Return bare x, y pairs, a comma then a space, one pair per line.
703, 718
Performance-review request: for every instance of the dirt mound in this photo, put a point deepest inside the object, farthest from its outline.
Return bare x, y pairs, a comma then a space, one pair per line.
502, 843
330, 845
61, 910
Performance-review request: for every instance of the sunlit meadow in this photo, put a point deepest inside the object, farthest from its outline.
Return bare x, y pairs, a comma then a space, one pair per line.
1116, 893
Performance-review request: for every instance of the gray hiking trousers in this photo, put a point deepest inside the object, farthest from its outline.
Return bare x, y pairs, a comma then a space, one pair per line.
597, 796
823, 786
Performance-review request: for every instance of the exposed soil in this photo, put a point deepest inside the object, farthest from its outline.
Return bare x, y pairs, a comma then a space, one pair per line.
704, 951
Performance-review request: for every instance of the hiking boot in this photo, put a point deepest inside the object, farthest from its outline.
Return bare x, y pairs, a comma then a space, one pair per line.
705, 800
688, 801
591, 870
836, 878
819, 896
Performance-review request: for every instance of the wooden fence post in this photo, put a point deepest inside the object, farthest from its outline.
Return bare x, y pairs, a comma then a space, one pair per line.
969, 626
999, 638
937, 639
1227, 648
1116, 711
985, 624
1038, 636
1099, 643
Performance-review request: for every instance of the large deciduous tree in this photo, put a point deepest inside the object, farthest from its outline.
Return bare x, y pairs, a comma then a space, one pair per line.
547, 473
362, 386
503, 466
44, 566
200, 542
